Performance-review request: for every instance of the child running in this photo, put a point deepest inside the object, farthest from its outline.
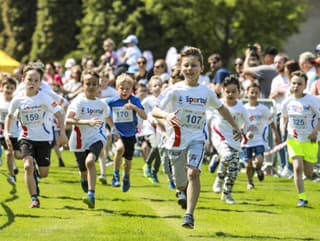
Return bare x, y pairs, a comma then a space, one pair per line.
223, 141
124, 110
301, 113
33, 108
88, 115
260, 118
183, 105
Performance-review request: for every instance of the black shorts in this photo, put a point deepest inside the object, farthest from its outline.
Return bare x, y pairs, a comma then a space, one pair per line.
141, 139
14, 142
128, 143
95, 149
39, 150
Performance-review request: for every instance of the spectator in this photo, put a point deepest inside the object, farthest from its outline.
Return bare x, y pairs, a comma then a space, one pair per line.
142, 74
317, 50
160, 68
51, 75
109, 56
67, 74
269, 55
305, 62
132, 52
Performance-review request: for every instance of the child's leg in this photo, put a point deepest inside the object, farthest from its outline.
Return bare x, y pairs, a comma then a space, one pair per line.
118, 154
102, 162
28, 164
298, 168
91, 168
249, 170
10, 162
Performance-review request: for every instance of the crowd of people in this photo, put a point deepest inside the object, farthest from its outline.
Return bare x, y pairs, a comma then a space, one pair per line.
169, 110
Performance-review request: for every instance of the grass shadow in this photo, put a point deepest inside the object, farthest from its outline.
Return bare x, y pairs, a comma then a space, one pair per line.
9, 214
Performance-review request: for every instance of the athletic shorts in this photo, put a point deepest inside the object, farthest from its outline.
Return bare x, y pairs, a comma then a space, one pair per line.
39, 150
192, 156
128, 143
308, 150
95, 149
249, 151
14, 141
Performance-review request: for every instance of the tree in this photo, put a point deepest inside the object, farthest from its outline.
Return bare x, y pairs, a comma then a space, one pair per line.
19, 19
56, 29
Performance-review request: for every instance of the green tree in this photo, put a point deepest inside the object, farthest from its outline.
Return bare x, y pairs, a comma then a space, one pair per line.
226, 26
19, 21
56, 29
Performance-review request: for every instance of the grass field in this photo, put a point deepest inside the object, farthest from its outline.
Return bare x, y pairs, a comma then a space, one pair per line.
150, 212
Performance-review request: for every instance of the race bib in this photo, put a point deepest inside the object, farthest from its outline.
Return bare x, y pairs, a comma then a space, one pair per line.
30, 117
3, 115
120, 115
193, 119
298, 122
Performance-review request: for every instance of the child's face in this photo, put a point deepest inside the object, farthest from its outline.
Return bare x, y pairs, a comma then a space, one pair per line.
253, 93
191, 68
155, 87
32, 81
8, 90
124, 90
297, 85
103, 82
230, 92
90, 86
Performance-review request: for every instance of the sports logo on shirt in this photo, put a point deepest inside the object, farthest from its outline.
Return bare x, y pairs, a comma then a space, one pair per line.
193, 100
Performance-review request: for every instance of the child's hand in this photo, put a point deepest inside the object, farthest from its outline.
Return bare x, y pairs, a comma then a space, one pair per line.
313, 136
249, 135
95, 122
172, 118
130, 106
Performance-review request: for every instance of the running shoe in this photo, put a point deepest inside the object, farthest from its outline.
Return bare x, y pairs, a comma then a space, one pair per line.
217, 185
213, 163
302, 203
103, 179
115, 181
227, 198
250, 185
182, 199
154, 179
89, 200
12, 179
35, 204
147, 170
125, 184
260, 174
172, 185
188, 221
61, 163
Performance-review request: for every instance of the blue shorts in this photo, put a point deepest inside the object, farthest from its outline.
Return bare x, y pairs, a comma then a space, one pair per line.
249, 151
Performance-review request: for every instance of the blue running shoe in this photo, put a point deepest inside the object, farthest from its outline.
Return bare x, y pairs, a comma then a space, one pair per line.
115, 181
154, 179
89, 200
125, 184
188, 221
147, 170
213, 163
172, 185
302, 203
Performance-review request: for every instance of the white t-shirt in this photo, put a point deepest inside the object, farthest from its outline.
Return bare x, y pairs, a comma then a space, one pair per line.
222, 131
280, 84
83, 136
108, 92
303, 114
35, 115
191, 103
260, 117
148, 125
14, 127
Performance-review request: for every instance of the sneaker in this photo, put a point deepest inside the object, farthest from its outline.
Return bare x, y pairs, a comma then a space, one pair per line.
260, 174
154, 179
286, 173
115, 181
35, 204
12, 179
147, 170
213, 163
250, 185
125, 184
227, 198
182, 199
188, 221
302, 203
89, 200
15, 171
217, 185
61, 163
172, 185
84, 185
103, 179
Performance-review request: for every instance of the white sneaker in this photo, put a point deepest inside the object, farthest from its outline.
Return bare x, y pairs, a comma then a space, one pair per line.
103, 179
227, 198
12, 179
217, 185
286, 173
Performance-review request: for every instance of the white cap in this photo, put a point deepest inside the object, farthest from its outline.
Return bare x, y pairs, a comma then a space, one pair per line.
318, 47
131, 39
70, 63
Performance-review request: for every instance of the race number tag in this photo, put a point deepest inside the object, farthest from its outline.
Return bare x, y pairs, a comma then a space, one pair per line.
193, 119
298, 122
121, 115
30, 117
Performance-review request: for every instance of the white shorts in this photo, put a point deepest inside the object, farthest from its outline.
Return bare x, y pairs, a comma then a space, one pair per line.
192, 156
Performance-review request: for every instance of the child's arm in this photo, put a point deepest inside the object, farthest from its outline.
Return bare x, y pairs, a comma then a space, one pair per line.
71, 120
283, 124
140, 112
277, 139
7, 124
226, 114
161, 114
63, 139
113, 130
314, 134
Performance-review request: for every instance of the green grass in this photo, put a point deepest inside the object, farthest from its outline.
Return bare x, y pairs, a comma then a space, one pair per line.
150, 212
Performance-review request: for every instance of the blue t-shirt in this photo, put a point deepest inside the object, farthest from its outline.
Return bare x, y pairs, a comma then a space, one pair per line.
220, 75
125, 120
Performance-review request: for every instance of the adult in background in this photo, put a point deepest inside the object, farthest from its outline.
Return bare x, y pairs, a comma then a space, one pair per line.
305, 61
